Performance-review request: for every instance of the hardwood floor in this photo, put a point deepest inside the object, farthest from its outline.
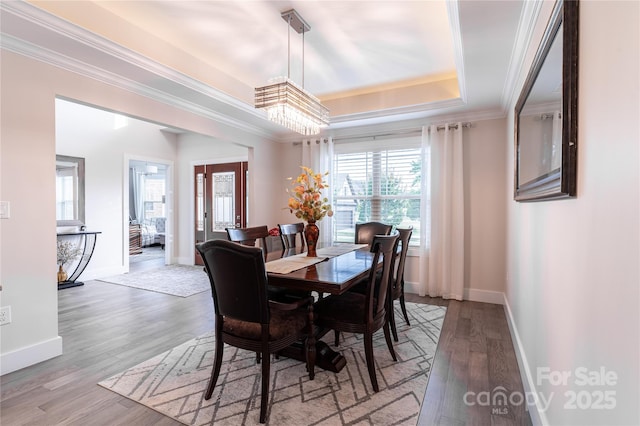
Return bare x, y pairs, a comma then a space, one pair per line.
107, 328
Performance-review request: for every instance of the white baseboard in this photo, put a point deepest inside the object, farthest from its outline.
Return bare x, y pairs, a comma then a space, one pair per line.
30, 355
485, 296
538, 417
474, 295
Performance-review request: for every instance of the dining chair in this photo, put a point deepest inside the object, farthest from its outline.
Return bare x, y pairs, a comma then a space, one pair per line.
245, 318
367, 230
289, 234
248, 237
363, 313
396, 283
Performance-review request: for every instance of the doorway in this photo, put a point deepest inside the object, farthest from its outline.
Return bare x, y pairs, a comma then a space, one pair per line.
148, 187
220, 200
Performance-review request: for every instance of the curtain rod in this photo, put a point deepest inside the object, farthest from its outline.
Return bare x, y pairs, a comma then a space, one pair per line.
412, 132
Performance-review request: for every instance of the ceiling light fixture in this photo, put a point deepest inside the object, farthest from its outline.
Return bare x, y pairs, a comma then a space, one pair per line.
287, 103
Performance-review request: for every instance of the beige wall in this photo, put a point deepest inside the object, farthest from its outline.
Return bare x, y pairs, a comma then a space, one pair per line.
28, 258
573, 265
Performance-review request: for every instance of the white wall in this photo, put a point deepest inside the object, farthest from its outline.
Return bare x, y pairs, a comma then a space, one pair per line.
28, 238
87, 132
573, 265
485, 172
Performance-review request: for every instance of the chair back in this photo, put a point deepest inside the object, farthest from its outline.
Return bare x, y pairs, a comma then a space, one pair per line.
238, 280
366, 231
248, 236
403, 238
289, 233
385, 246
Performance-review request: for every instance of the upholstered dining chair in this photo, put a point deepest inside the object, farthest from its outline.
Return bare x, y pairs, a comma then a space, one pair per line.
245, 317
289, 234
367, 230
363, 313
248, 237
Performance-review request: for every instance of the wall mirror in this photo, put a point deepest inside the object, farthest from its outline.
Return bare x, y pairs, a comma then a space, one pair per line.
546, 113
69, 190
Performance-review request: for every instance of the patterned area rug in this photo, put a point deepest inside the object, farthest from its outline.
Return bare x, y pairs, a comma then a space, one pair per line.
177, 280
173, 383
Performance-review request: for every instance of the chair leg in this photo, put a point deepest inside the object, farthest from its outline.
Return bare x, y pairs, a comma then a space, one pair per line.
337, 337
404, 308
217, 363
387, 337
392, 321
368, 351
264, 398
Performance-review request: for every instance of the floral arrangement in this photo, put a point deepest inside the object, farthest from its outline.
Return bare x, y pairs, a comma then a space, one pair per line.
67, 251
306, 200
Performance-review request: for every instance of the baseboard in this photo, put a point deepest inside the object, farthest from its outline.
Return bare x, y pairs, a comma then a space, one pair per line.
474, 295
485, 296
538, 417
30, 355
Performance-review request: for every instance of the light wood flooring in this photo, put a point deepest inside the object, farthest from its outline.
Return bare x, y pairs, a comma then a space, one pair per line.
107, 328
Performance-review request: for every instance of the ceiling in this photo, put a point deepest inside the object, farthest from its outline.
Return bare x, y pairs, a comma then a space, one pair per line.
368, 61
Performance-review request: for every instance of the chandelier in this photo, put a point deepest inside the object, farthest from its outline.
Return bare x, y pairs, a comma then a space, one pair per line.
287, 103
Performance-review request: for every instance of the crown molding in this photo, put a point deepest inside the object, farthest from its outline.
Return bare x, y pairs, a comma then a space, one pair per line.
51, 23
454, 20
392, 113
524, 34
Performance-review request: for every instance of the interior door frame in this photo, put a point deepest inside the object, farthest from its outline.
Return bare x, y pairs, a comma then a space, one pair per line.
169, 204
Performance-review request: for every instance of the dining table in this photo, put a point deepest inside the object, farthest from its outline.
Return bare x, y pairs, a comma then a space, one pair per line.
334, 271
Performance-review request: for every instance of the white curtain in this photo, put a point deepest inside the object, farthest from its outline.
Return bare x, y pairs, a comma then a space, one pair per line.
442, 257
318, 155
136, 202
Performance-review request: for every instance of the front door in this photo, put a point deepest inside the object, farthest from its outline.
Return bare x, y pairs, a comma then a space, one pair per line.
220, 200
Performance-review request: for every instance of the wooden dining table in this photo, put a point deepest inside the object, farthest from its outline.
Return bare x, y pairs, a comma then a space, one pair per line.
333, 275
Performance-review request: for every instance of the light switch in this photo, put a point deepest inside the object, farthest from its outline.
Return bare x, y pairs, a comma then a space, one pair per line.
4, 210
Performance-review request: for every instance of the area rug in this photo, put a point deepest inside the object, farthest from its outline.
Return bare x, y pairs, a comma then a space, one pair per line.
148, 253
177, 280
173, 383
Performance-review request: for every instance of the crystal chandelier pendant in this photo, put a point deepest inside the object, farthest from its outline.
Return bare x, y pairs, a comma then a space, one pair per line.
287, 103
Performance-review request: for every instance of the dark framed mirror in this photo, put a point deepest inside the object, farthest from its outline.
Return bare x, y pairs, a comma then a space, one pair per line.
546, 114
69, 191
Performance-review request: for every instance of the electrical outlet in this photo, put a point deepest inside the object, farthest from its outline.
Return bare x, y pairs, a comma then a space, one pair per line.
5, 315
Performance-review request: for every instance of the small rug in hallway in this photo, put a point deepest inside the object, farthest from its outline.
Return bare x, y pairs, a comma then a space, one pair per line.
177, 280
173, 383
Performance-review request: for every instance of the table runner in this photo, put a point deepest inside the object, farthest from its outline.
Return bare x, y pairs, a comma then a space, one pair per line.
292, 263
299, 261
339, 249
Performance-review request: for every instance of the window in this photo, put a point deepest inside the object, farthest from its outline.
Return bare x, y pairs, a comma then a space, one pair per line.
377, 181
154, 193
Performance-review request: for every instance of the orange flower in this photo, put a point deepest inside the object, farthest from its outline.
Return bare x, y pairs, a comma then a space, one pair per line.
306, 200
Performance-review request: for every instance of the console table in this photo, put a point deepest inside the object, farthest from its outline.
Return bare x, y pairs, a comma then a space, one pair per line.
88, 243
